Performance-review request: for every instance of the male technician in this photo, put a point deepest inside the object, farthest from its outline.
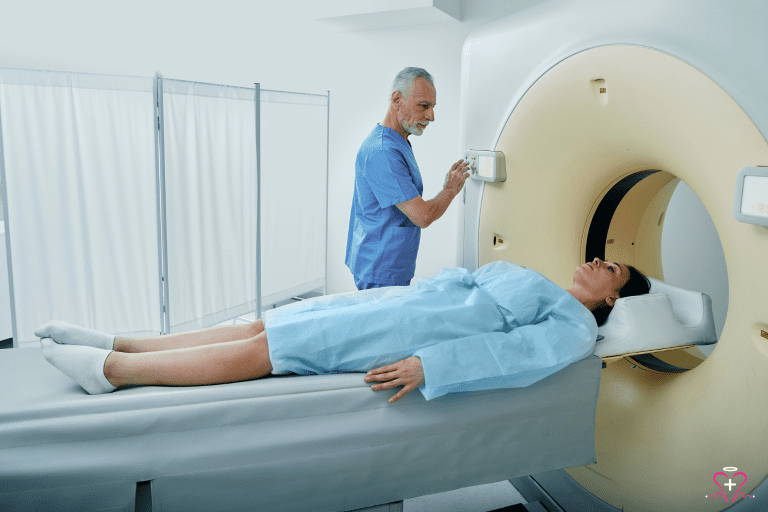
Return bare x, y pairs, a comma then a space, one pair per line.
388, 212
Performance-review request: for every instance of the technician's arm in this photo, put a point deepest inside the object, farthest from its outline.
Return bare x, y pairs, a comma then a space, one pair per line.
423, 213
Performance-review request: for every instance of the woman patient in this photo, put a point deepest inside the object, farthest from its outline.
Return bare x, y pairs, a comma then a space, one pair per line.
501, 326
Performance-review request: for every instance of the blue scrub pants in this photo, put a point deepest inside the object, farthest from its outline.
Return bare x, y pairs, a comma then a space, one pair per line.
362, 285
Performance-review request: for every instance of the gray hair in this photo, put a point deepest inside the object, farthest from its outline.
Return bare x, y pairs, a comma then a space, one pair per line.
404, 80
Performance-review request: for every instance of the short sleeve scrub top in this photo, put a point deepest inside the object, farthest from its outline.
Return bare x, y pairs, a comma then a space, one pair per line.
382, 242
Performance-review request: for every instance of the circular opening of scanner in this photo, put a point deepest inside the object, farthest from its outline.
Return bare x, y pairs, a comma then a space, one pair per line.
652, 220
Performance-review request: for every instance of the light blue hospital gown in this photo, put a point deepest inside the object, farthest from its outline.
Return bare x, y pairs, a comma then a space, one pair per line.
502, 326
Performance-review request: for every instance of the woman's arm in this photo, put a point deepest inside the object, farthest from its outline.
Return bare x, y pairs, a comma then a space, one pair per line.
407, 373
503, 360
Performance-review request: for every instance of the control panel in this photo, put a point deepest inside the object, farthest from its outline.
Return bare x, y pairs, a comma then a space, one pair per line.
486, 165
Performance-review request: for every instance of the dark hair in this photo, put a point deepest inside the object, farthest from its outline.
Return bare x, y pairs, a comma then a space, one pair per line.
637, 284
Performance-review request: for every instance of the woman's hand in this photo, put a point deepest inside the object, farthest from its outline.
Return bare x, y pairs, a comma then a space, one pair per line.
407, 373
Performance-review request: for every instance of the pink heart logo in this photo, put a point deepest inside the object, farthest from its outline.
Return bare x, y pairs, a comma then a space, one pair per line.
722, 493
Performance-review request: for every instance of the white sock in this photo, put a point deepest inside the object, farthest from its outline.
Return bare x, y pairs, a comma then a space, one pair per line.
69, 334
84, 365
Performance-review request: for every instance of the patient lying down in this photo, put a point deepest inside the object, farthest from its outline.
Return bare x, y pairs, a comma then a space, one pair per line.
499, 327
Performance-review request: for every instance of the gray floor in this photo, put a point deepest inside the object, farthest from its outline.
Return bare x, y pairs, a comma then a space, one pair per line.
481, 498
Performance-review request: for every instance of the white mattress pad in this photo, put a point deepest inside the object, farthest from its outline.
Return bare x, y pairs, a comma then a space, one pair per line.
323, 442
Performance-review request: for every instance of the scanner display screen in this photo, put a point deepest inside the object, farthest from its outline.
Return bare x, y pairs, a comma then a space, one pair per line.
755, 196
485, 166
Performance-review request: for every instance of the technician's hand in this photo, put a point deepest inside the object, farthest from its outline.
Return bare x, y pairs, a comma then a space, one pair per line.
456, 177
407, 373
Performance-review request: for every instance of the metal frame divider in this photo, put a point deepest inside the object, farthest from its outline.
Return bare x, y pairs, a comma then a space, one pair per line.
327, 183
257, 106
162, 227
7, 237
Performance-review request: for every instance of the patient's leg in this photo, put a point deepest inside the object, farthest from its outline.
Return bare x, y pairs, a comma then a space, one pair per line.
69, 334
192, 366
101, 371
208, 336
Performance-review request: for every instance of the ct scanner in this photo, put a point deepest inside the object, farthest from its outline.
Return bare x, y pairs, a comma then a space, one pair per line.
586, 101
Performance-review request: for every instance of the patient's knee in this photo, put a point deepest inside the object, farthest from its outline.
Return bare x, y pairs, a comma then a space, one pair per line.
260, 348
255, 328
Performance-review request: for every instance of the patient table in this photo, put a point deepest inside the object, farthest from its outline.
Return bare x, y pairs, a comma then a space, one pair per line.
323, 442
320, 442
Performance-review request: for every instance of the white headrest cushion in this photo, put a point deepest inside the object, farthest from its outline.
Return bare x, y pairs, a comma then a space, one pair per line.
667, 317
686, 304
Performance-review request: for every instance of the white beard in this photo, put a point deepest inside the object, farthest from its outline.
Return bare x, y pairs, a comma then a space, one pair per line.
415, 129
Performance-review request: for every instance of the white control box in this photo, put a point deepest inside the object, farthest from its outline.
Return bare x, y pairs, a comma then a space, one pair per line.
750, 202
486, 165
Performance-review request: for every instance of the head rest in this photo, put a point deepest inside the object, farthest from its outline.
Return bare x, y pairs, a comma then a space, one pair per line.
666, 317
686, 304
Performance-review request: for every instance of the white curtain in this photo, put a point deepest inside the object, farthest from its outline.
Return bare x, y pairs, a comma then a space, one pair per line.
294, 142
79, 162
211, 197
78, 155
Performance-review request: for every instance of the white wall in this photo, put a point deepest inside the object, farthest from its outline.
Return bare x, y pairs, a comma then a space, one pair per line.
278, 44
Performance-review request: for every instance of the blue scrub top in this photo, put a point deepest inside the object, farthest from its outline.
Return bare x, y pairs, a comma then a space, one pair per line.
502, 326
383, 242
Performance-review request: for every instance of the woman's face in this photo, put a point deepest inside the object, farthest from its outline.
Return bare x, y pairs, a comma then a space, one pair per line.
601, 278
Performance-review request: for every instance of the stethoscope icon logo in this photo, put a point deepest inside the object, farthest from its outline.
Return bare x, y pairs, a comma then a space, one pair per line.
737, 479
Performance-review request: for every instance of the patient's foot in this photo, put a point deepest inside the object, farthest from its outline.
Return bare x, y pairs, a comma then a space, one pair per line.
62, 332
84, 365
